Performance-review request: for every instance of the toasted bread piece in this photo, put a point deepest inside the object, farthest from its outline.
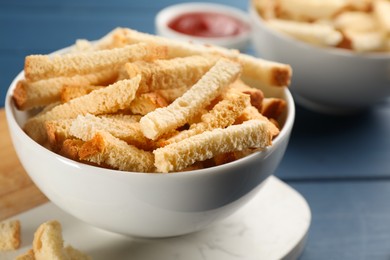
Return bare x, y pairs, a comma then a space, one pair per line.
315, 33
48, 242
163, 120
68, 93
29, 255
273, 107
126, 118
366, 41
104, 148
113, 39
256, 95
266, 8
75, 254
70, 148
360, 5
85, 127
176, 156
29, 95
263, 71
171, 94
223, 114
9, 235
309, 10
251, 113
357, 21
106, 100
57, 131
147, 102
381, 9
38, 67
172, 73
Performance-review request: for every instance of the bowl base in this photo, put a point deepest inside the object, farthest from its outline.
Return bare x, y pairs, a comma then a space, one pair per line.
262, 229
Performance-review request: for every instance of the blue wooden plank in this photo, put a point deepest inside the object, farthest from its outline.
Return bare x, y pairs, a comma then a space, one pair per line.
48, 32
350, 219
139, 5
339, 147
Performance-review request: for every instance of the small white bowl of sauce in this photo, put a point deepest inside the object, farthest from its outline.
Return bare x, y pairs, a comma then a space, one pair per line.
205, 23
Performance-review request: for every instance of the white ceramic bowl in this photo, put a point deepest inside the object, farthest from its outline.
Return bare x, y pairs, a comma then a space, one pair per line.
167, 14
141, 204
326, 80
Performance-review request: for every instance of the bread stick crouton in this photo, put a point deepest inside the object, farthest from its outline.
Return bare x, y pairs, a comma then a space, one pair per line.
170, 74
163, 120
222, 115
264, 71
68, 93
49, 244
382, 13
104, 148
38, 67
9, 235
176, 156
106, 100
85, 127
251, 113
315, 33
40, 93
147, 102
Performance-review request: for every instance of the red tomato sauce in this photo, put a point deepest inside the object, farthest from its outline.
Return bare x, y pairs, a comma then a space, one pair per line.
207, 24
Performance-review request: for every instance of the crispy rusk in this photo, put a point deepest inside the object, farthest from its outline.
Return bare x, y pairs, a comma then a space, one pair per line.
170, 74
176, 156
315, 33
49, 244
309, 10
251, 113
85, 127
163, 120
223, 114
9, 235
29, 255
273, 107
40, 93
366, 41
113, 39
359, 5
69, 93
57, 132
381, 10
266, 8
147, 102
263, 71
104, 148
256, 95
70, 148
356, 21
106, 100
171, 94
38, 67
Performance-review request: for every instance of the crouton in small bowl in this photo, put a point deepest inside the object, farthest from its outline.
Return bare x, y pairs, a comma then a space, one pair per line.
339, 50
96, 157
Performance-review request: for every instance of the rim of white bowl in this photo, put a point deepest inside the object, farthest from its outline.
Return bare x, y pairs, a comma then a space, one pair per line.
331, 50
165, 15
10, 108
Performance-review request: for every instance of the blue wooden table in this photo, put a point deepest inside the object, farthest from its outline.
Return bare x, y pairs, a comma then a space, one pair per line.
341, 165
